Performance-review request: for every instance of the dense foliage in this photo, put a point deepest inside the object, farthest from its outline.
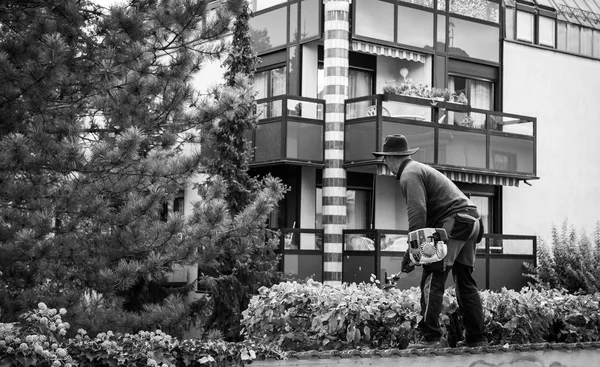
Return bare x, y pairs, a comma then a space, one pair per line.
308, 316
570, 262
100, 129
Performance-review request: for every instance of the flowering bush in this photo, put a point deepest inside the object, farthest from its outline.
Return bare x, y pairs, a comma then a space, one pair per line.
37, 341
426, 91
40, 340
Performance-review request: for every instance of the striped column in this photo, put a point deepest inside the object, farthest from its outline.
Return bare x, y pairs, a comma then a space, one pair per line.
337, 27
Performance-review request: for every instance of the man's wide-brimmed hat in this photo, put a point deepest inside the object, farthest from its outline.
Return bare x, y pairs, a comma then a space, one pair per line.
395, 145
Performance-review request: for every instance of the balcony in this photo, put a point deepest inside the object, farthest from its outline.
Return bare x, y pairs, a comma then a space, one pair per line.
290, 130
450, 136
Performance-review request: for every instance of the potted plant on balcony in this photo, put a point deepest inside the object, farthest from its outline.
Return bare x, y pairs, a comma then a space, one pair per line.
426, 91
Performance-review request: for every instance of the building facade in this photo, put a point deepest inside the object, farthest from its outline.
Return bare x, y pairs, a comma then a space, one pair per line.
500, 96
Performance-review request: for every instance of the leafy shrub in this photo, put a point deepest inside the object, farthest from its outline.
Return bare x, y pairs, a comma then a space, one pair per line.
570, 262
307, 316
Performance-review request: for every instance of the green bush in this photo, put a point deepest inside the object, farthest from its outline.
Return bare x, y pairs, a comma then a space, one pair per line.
308, 316
570, 262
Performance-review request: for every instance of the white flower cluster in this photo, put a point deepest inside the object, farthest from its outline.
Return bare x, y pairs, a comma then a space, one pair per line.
40, 340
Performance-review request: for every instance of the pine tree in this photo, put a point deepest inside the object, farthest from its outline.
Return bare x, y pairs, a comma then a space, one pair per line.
243, 266
99, 124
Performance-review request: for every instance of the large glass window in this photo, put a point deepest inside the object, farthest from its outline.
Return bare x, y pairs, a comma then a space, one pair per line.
480, 94
415, 27
572, 38
586, 42
263, 4
269, 30
374, 19
471, 39
596, 43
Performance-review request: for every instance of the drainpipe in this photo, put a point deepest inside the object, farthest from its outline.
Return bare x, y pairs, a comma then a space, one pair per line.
337, 35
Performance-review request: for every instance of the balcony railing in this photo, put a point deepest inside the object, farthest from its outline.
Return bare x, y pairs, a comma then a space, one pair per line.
290, 129
449, 135
499, 258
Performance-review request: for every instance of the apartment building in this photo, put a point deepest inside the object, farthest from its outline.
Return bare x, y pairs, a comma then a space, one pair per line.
512, 121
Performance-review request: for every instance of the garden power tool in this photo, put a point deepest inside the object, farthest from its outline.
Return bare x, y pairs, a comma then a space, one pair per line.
425, 246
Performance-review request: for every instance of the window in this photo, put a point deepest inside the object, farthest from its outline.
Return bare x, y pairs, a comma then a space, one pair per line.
480, 94
269, 30
525, 26
267, 84
473, 39
547, 34
374, 19
415, 27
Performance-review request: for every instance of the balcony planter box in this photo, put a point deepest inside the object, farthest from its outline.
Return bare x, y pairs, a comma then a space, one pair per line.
438, 102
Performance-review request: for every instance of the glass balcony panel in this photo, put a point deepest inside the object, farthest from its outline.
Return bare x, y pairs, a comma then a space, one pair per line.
475, 40
304, 266
297, 240
375, 19
408, 111
461, 148
513, 125
360, 141
511, 154
304, 141
359, 242
365, 108
393, 242
511, 246
473, 120
269, 30
270, 109
479, 9
417, 136
268, 142
306, 109
415, 27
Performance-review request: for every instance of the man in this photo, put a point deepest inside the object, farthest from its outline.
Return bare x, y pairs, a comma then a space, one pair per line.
434, 201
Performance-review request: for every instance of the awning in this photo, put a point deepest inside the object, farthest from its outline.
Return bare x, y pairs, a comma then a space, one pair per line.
389, 51
478, 178
483, 179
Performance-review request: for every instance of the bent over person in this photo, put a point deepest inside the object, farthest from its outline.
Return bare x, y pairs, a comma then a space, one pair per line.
434, 201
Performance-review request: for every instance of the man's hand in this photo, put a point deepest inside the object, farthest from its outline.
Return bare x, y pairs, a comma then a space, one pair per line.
407, 264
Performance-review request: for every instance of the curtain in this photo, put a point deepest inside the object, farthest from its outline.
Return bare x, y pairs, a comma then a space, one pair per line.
360, 84
481, 97
277, 88
357, 214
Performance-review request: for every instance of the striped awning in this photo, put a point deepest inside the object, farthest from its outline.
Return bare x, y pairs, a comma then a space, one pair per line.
483, 179
389, 51
468, 177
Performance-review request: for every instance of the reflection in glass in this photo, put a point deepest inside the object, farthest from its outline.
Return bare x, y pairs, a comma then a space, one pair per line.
511, 154
309, 18
375, 19
359, 142
470, 39
269, 30
415, 27
441, 33
263, 4
479, 9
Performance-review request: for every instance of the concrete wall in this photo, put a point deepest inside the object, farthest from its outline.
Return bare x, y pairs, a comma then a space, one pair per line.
563, 92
